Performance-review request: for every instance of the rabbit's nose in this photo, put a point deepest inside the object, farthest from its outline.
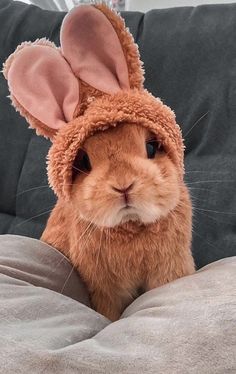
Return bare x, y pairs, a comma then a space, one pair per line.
125, 191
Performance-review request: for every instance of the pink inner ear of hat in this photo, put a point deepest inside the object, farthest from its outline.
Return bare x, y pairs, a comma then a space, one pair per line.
91, 46
44, 84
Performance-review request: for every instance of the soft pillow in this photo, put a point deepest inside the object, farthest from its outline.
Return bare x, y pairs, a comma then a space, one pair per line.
187, 326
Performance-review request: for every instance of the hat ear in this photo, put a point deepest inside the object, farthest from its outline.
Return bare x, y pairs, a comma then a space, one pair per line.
42, 86
98, 47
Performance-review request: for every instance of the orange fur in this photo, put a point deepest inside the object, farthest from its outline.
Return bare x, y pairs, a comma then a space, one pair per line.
117, 253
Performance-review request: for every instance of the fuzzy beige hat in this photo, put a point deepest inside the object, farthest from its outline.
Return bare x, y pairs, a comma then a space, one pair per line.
92, 82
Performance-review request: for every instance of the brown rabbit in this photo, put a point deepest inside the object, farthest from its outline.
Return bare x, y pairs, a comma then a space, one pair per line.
123, 215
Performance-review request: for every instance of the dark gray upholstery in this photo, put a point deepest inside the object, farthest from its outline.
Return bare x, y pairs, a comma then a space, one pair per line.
190, 62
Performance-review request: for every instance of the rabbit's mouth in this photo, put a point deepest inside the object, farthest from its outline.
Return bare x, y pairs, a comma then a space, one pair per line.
130, 217
145, 213
129, 213
126, 207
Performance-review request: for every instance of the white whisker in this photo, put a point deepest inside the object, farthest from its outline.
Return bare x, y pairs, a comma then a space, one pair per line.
195, 124
37, 215
216, 211
212, 181
67, 279
81, 171
206, 171
31, 189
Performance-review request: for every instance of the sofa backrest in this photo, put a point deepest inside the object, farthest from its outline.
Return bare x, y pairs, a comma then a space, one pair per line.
190, 62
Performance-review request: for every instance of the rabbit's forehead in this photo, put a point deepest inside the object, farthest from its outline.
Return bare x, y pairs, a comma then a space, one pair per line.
122, 138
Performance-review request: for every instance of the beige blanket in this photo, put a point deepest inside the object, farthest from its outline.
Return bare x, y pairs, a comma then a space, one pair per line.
186, 327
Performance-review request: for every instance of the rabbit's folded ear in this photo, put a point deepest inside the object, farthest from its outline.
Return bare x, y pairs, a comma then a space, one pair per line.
91, 43
43, 88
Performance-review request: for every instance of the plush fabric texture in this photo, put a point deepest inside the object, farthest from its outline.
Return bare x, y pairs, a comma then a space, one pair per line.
198, 86
53, 98
117, 63
99, 60
91, 48
187, 326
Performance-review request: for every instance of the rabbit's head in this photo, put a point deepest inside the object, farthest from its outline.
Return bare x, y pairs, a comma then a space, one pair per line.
124, 174
117, 152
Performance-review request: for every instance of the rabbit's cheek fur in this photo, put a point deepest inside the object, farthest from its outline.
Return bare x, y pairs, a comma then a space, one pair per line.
154, 194
157, 191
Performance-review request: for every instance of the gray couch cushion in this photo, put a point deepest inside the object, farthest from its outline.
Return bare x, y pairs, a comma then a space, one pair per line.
187, 326
189, 55
30, 261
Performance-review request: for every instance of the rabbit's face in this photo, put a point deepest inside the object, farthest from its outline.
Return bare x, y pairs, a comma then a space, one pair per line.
124, 174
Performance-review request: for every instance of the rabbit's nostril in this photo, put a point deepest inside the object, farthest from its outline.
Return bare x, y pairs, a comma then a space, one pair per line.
123, 190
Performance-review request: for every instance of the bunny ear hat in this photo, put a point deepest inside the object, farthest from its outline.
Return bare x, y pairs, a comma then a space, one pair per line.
92, 82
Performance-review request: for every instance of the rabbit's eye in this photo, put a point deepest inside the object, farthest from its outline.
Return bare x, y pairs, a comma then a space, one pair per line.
81, 164
152, 147
85, 162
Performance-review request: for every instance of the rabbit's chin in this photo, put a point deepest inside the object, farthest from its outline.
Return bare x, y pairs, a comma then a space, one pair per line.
145, 215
